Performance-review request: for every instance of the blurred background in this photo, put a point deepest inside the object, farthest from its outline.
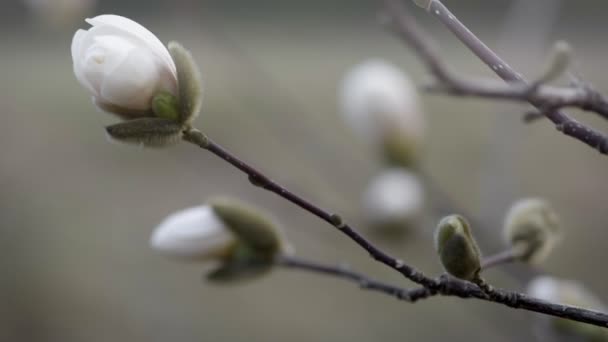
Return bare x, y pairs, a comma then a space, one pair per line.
76, 211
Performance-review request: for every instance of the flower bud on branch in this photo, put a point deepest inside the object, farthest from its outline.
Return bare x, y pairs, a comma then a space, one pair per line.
531, 228
243, 240
129, 72
381, 105
457, 248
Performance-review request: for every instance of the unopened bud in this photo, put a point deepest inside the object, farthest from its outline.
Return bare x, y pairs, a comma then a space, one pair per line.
381, 105
531, 228
457, 248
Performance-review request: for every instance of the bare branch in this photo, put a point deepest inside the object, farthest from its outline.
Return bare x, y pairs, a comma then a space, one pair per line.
549, 100
443, 285
449, 286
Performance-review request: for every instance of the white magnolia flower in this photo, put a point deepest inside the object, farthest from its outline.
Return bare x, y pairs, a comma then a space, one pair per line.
122, 64
378, 99
563, 291
396, 195
196, 233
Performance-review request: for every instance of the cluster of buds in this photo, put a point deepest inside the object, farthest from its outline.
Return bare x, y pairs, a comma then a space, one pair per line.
157, 92
380, 103
531, 230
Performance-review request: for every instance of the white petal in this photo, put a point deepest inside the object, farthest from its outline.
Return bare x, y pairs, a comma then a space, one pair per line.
136, 30
194, 233
76, 42
394, 195
133, 82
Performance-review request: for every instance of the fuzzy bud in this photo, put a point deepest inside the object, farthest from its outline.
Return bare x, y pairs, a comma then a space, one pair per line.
190, 83
381, 105
242, 239
394, 200
531, 228
457, 248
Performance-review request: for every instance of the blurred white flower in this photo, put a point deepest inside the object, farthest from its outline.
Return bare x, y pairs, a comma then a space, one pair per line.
396, 195
532, 228
122, 64
562, 291
196, 233
60, 13
378, 99
545, 288
567, 292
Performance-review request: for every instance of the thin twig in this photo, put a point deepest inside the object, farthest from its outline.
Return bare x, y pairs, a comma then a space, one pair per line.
547, 99
505, 257
260, 180
449, 286
430, 286
363, 281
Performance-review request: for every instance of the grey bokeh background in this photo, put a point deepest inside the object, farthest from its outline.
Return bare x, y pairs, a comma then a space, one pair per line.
76, 211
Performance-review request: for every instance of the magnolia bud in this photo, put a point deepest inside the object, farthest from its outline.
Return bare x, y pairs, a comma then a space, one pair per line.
381, 105
242, 239
569, 292
531, 228
393, 200
457, 248
123, 65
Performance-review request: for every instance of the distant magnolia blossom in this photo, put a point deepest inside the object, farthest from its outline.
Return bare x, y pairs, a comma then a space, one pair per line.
568, 292
196, 233
379, 99
60, 12
394, 195
122, 64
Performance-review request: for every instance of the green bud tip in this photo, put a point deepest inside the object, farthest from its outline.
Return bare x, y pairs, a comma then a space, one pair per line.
532, 229
166, 106
457, 248
259, 241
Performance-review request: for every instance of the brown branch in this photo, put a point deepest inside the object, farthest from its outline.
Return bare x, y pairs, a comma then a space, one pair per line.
260, 180
443, 285
547, 99
449, 286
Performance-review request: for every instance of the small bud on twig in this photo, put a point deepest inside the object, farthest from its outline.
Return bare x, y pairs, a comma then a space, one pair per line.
457, 248
531, 228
